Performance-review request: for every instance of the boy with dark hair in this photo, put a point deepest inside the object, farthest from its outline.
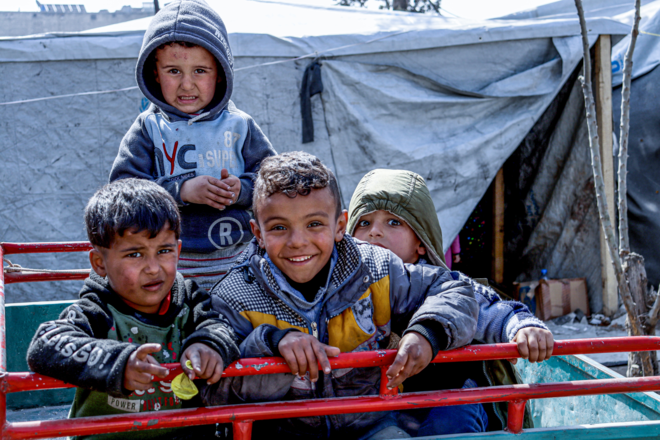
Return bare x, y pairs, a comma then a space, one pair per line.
192, 140
135, 312
394, 209
305, 291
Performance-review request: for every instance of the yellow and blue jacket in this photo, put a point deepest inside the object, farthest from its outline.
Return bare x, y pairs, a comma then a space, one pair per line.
370, 293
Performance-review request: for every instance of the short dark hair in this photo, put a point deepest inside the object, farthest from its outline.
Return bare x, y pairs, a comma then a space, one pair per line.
293, 173
130, 204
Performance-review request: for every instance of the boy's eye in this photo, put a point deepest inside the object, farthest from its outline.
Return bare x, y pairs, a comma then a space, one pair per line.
200, 71
363, 223
278, 228
393, 222
174, 71
134, 255
313, 224
165, 251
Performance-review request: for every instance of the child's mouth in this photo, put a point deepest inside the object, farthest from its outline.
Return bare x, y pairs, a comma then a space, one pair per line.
153, 287
187, 99
302, 259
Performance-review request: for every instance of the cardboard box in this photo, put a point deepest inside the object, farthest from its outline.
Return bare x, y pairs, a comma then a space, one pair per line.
555, 298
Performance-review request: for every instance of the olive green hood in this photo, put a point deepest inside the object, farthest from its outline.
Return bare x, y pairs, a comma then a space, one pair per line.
404, 194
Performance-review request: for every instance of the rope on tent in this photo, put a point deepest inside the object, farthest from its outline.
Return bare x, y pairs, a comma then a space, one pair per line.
649, 33
12, 267
288, 60
68, 96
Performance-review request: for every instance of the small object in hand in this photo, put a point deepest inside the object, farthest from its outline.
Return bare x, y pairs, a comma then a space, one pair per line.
183, 387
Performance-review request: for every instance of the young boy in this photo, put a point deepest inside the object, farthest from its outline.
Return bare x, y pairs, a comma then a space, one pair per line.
305, 291
394, 209
192, 140
135, 312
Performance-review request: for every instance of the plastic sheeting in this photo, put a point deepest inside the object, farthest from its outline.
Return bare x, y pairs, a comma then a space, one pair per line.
552, 217
449, 99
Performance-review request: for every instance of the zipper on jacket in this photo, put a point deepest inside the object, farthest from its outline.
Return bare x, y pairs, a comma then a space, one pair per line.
496, 410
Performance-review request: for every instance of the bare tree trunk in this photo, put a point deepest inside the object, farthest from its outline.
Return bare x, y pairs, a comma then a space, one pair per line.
624, 244
633, 266
645, 365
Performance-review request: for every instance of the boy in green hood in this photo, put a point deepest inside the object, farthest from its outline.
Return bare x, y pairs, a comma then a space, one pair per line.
393, 209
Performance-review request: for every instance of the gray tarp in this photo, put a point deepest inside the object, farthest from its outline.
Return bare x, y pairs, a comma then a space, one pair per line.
450, 99
643, 142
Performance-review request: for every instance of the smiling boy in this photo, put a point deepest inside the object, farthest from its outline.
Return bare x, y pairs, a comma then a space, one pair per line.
192, 140
134, 313
304, 290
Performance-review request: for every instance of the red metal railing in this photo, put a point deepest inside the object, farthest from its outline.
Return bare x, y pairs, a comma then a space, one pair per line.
242, 416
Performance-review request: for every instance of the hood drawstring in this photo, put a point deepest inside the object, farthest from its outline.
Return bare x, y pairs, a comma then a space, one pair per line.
197, 118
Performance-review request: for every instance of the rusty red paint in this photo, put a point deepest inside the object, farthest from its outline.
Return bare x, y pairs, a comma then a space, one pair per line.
317, 407
242, 430
243, 415
516, 410
38, 248
32, 277
382, 358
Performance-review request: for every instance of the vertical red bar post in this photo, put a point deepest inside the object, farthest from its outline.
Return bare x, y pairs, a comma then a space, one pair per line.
384, 392
516, 411
242, 430
3, 347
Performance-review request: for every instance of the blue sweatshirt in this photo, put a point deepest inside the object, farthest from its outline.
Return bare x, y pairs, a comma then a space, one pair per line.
169, 146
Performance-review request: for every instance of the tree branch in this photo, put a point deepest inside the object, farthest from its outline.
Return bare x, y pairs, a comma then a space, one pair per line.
624, 243
655, 310
599, 184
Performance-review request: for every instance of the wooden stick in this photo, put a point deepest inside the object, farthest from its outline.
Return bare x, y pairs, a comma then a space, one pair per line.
624, 243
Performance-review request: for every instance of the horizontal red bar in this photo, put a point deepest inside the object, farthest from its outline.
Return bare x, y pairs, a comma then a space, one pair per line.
271, 365
309, 408
31, 277
39, 248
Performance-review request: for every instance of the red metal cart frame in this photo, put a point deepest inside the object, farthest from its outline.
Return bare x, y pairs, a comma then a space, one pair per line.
242, 416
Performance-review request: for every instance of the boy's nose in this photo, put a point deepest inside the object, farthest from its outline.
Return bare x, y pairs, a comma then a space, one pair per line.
187, 83
151, 266
296, 240
375, 232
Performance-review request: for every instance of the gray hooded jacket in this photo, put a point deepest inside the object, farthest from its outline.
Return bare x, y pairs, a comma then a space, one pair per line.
170, 147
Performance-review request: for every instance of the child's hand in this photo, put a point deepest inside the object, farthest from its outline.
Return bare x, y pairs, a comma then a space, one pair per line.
534, 344
206, 362
233, 182
303, 353
141, 368
414, 354
207, 190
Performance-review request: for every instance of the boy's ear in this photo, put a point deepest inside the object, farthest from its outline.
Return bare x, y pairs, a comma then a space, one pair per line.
178, 250
342, 221
156, 76
256, 231
98, 262
421, 250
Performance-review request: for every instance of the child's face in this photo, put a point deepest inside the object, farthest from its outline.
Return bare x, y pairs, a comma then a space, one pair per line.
140, 269
385, 229
299, 233
187, 76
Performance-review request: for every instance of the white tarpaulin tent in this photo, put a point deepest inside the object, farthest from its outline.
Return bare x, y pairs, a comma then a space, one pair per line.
448, 98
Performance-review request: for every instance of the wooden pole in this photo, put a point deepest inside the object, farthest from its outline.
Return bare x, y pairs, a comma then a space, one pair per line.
603, 86
497, 265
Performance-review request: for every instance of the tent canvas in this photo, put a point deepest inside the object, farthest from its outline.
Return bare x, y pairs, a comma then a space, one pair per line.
448, 98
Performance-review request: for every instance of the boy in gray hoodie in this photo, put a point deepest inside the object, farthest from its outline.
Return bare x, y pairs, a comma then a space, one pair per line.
393, 209
192, 140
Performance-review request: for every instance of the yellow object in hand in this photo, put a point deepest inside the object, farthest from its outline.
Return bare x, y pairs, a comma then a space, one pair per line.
183, 387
